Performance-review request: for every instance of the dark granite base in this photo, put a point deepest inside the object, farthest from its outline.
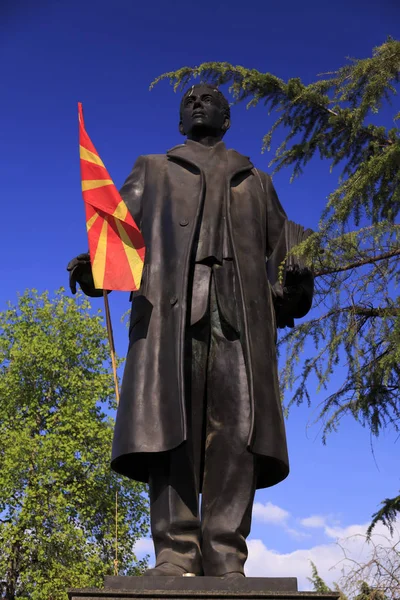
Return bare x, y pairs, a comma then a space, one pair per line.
199, 588
195, 584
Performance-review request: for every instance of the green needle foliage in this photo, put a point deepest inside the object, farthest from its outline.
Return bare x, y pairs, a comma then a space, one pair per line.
57, 492
375, 579
318, 583
354, 328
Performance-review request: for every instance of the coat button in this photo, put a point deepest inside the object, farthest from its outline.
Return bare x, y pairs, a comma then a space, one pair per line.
183, 222
173, 300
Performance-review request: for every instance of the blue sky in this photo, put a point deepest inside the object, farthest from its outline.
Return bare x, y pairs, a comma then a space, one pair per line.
105, 54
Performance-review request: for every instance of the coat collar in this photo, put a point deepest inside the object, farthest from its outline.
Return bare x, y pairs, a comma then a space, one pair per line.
188, 153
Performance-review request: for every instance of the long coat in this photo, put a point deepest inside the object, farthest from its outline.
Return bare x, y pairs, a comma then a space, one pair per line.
164, 195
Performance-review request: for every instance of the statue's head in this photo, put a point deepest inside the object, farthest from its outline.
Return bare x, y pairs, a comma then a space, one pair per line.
204, 110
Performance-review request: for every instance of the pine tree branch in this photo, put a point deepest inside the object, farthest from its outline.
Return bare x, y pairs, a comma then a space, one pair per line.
357, 310
373, 312
359, 263
386, 515
363, 131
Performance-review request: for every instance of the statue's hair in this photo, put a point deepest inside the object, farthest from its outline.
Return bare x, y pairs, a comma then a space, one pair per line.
222, 99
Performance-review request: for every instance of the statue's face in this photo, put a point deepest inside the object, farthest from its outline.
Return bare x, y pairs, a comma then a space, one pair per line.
203, 112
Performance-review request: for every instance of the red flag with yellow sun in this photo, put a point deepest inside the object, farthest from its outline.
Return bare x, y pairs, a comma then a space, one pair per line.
116, 245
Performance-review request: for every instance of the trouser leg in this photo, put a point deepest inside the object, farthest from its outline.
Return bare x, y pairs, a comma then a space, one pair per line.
229, 479
174, 513
175, 476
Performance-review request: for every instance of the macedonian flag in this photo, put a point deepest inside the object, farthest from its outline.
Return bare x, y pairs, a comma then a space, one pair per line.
116, 245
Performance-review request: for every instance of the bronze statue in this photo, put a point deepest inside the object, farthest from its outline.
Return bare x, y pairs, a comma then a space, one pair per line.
200, 410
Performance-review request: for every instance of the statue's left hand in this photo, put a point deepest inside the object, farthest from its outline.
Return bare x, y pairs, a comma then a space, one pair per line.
298, 280
297, 295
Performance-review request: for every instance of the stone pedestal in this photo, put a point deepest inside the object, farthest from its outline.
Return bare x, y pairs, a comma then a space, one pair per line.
198, 588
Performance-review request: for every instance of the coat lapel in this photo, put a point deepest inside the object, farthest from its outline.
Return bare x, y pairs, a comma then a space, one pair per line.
236, 163
185, 153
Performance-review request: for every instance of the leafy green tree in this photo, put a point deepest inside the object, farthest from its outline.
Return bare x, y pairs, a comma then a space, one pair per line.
355, 253
57, 492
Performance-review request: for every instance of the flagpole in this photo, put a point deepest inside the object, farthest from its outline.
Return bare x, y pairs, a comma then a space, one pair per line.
114, 368
111, 342
116, 535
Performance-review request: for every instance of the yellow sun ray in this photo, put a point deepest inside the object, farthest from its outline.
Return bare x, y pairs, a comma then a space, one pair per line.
99, 262
134, 260
92, 184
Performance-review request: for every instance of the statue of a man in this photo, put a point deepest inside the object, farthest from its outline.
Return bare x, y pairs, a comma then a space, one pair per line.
200, 410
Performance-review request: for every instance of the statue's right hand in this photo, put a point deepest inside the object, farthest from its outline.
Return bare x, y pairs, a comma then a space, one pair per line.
80, 271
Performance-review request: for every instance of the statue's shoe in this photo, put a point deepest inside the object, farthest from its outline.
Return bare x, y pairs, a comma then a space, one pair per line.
233, 575
168, 570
